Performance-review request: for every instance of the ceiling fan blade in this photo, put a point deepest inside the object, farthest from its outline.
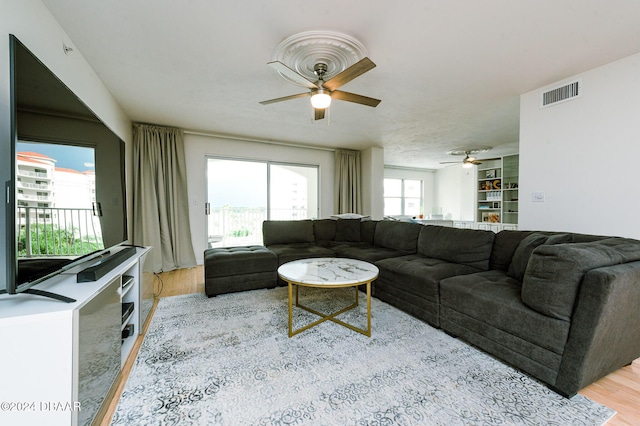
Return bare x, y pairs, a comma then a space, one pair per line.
285, 98
352, 97
319, 113
450, 162
293, 75
349, 74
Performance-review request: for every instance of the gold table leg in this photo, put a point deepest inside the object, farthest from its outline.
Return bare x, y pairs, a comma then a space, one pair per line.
329, 317
291, 309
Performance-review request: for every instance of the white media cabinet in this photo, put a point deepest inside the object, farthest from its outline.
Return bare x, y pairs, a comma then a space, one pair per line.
61, 360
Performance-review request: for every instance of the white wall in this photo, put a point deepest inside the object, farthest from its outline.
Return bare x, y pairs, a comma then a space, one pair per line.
428, 179
455, 192
198, 147
372, 160
583, 154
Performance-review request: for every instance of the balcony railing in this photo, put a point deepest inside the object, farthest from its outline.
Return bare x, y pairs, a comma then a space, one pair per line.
47, 231
22, 172
32, 185
35, 197
240, 226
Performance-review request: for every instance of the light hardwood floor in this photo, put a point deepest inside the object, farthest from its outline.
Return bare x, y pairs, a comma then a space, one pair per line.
619, 390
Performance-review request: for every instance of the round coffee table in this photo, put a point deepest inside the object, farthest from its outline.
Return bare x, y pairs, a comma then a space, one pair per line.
328, 272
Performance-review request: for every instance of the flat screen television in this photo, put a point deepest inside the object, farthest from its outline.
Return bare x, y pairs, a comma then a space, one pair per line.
65, 201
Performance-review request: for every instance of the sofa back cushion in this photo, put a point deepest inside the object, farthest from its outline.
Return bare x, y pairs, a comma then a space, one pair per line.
287, 231
528, 244
348, 230
368, 231
554, 272
324, 230
507, 242
504, 247
400, 236
463, 246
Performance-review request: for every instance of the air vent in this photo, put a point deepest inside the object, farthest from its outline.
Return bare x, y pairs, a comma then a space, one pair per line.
561, 94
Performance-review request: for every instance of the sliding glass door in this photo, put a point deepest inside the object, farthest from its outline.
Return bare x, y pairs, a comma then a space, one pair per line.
293, 192
242, 194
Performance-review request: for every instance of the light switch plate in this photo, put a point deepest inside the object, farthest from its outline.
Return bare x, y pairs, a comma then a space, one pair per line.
537, 197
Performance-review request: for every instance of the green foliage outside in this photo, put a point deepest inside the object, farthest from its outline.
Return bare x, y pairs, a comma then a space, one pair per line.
242, 232
51, 240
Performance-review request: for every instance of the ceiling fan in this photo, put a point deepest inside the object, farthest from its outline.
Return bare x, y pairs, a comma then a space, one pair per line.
322, 92
468, 160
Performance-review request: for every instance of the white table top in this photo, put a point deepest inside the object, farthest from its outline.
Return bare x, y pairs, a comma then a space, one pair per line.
328, 271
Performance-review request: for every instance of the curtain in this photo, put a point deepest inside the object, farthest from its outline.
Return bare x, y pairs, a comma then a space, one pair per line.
347, 182
160, 201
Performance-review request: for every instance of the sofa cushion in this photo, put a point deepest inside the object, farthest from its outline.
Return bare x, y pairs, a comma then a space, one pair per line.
365, 252
324, 230
488, 304
553, 277
504, 246
522, 254
288, 252
494, 298
421, 275
399, 236
521, 257
367, 231
287, 231
561, 239
233, 261
348, 230
463, 246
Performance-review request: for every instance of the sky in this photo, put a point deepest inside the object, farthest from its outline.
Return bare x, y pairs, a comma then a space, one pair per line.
237, 183
71, 157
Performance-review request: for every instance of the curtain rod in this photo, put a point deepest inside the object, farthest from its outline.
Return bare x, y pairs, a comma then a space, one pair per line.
265, 141
415, 169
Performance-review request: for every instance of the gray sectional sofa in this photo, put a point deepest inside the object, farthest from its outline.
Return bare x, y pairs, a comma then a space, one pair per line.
562, 307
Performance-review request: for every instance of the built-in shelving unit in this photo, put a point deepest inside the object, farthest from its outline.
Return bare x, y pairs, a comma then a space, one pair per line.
510, 199
497, 191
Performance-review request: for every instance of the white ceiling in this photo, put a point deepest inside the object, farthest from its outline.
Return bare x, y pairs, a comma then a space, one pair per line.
449, 73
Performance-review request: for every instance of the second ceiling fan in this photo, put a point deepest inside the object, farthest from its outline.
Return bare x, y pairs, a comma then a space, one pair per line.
468, 161
322, 92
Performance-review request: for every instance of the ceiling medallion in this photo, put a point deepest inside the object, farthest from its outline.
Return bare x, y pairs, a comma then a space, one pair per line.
301, 52
469, 150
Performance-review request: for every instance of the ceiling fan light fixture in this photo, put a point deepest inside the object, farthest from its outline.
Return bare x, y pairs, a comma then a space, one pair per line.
320, 99
467, 165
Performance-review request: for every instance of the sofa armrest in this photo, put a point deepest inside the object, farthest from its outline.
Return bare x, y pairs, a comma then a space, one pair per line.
605, 327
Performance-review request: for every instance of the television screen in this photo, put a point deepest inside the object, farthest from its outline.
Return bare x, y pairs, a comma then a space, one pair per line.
68, 185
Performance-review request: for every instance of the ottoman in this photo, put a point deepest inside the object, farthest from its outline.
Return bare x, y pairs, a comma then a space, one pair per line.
230, 269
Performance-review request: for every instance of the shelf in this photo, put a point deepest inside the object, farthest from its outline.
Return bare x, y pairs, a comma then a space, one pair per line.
127, 320
128, 308
127, 284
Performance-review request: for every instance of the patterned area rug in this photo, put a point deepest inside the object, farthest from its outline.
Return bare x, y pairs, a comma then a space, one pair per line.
228, 361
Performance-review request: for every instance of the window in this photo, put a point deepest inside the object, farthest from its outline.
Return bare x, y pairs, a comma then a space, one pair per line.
242, 194
402, 197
